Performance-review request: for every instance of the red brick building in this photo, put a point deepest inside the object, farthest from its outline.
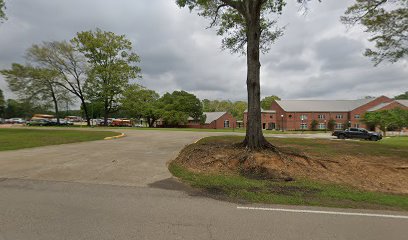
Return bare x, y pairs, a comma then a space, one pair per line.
268, 119
214, 120
299, 114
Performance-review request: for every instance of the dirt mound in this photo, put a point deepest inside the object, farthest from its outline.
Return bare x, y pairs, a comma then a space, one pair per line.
371, 173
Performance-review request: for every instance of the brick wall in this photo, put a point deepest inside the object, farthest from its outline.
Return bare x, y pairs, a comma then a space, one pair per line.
268, 120
360, 111
293, 120
217, 124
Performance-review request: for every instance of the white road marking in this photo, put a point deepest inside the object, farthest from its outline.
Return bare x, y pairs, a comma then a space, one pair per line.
324, 212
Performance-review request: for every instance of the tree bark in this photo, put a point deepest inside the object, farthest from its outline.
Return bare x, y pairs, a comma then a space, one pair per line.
254, 138
88, 120
106, 112
54, 99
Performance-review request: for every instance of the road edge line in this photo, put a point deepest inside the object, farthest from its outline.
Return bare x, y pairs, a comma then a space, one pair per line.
115, 137
325, 212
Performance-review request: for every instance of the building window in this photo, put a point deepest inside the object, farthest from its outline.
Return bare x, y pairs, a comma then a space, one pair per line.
339, 125
271, 116
226, 124
303, 117
322, 126
356, 125
303, 126
339, 116
321, 116
357, 116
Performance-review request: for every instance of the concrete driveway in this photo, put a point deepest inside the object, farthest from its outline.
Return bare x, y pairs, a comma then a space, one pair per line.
135, 160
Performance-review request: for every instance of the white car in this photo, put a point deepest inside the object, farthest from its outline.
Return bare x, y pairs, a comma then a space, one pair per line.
15, 121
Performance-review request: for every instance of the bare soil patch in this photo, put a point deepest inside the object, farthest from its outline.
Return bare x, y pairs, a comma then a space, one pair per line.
380, 173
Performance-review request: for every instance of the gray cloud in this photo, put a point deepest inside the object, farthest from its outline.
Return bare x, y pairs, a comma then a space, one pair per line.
316, 58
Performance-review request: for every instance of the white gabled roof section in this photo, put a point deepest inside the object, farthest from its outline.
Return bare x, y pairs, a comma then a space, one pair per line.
212, 116
263, 111
322, 105
403, 102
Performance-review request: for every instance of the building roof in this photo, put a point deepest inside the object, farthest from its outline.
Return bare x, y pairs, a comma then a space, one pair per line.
212, 116
263, 111
403, 102
378, 107
382, 105
322, 105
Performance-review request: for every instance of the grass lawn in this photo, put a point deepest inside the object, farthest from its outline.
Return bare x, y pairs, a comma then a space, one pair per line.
236, 187
12, 139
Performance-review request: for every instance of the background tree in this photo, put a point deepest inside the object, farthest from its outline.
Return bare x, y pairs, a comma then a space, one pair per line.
2, 104
178, 106
266, 102
387, 119
2, 11
140, 102
402, 96
35, 85
331, 124
399, 118
247, 28
313, 125
63, 58
112, 65
387, 22
235, 108
23, 109
239, 108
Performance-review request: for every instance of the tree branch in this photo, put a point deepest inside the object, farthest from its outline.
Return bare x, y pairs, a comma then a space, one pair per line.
237, 5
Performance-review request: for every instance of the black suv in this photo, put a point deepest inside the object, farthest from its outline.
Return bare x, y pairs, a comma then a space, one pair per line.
358, 133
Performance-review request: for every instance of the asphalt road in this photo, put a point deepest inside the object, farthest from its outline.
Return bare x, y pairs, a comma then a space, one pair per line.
121, 189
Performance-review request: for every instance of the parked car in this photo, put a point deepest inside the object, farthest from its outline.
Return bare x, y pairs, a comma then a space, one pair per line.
357, 133
39, 122
73, 119
15, 121
62, 122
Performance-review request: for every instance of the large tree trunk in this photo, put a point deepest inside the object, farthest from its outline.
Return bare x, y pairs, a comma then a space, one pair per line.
54, 99
254, 138
105, 112
151, 122
85, 107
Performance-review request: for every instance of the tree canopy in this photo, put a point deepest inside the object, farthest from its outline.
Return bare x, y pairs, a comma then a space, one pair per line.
387, 22
112, 65
235, 108
266, 102
35, 85
403, 96
63, 58
232, 16
178, 106
387, 119
247, 27
139, 102
2, 10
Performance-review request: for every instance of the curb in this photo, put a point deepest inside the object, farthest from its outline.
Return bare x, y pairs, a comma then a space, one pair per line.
115, 137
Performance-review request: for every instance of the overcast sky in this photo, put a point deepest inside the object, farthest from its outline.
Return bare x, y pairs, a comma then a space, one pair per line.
317, 58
